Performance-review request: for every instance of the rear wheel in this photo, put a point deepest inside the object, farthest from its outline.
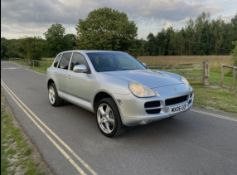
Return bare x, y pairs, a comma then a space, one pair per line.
54, 99
108, 118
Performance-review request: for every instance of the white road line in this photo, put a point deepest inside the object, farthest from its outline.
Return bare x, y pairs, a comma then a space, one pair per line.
35, 119
214, 115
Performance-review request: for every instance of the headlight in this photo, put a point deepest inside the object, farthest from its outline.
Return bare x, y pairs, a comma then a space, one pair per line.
140, 90
185, 81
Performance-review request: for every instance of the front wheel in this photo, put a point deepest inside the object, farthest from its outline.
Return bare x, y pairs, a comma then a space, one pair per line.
108, 118
54, 99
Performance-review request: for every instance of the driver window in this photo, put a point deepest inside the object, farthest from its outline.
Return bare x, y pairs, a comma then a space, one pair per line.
77, 59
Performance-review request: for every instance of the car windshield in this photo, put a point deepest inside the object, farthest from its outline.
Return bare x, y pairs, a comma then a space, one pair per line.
113, 61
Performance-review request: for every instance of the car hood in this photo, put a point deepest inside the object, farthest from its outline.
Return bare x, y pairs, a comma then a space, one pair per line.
151, 79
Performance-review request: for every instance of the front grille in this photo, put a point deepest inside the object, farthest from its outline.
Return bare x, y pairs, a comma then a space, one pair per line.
152, 104
152, 107
153, 111
176, 100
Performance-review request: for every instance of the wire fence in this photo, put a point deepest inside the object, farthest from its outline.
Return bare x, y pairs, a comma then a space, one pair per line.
193, 72
227, 71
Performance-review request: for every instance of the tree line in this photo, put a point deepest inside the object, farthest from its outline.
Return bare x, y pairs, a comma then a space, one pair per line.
109, 29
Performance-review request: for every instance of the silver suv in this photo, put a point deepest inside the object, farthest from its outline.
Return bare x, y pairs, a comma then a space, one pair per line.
117, 87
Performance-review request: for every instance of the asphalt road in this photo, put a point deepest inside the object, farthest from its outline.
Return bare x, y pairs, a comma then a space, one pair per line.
191, 143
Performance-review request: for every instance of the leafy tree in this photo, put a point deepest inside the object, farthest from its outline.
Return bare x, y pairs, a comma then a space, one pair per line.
31, 48
70, 42
4, 44
55, 39
151, 44
105, 28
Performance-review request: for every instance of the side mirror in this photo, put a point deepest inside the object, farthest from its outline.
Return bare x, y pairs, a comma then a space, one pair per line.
81, 68
145, 65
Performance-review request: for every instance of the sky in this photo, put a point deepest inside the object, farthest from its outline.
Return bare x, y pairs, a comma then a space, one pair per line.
21, 18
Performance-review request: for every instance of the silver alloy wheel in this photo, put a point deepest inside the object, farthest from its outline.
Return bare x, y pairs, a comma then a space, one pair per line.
51, 95
105, 118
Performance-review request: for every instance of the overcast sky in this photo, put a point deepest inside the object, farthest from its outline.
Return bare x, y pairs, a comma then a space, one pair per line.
20, 18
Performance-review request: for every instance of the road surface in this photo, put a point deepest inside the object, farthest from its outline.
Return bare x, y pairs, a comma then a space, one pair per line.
69, 141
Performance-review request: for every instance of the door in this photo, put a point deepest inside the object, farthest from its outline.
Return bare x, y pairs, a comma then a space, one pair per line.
80, 84
62, 72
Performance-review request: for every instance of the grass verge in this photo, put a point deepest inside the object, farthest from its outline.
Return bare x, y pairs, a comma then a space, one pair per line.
215, 98
18, 156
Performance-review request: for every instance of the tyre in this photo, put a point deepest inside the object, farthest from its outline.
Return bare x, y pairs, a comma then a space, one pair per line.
54, 99
108, 118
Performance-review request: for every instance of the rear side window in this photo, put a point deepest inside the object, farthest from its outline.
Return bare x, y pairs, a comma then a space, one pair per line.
57, 59
77, 59
64, 62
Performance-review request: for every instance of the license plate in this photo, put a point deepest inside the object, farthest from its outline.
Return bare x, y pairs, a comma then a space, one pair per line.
178, 108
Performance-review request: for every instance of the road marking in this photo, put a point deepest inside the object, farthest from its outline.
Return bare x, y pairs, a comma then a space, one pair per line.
44, 130
214, 115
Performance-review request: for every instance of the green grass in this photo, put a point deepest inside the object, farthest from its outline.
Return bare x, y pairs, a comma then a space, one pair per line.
17, 155
39, 66
217, 98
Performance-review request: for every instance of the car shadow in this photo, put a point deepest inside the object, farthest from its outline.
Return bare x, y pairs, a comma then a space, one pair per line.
180, 125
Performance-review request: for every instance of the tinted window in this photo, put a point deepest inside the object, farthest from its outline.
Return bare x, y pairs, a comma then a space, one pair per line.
113, 61
77, 59
64, 62
57, 59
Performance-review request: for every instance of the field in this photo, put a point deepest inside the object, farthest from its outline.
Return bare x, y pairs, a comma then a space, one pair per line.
191, 67
214, 61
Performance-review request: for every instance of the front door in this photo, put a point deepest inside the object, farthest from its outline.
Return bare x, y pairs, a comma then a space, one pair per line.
80, 84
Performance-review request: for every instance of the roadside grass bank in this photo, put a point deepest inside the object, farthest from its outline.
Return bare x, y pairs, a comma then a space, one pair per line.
18, 156
210, 97
215, 98
39, 66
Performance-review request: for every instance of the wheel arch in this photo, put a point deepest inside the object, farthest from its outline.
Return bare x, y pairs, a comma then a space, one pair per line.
101, 95
49, 82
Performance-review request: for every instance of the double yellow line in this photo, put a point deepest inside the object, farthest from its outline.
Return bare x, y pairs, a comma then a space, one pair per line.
60, 145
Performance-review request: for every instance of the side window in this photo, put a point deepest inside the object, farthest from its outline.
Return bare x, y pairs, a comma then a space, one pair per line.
77, 59
56, 60
64, 62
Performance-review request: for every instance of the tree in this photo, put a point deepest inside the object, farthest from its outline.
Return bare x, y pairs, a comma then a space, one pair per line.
4, 44
151, 44
32, 48
55, 39
105, 28
70, 42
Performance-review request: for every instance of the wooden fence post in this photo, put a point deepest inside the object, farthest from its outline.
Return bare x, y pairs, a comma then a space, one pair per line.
234, 77
222, 75
205, 73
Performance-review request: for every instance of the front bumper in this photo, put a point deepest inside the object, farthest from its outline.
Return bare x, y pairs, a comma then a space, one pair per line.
133, 111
